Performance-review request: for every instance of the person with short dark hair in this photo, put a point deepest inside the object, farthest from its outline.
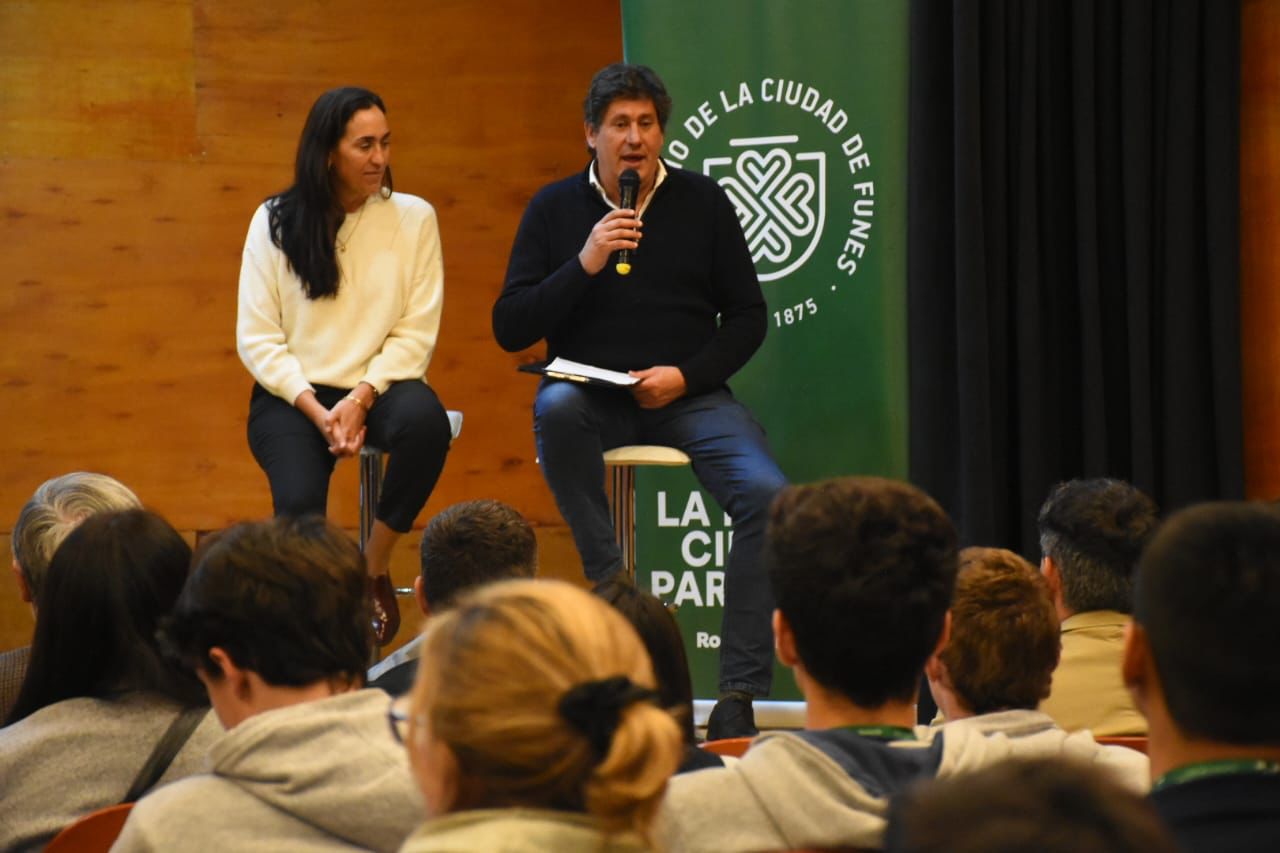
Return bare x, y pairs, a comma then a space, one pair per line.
1045, 805
999, 660
661, 636
99, 695
1200, 659
341, 293
275, 621
53, 511
1091, 534
863, 570
464, 546
686, 316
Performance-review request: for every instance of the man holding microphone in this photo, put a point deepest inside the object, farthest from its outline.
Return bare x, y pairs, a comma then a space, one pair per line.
685, 316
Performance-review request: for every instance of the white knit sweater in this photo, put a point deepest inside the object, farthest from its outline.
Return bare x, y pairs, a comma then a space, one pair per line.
381, 326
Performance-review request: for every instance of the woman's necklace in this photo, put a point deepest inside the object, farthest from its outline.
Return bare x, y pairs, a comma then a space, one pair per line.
342, 244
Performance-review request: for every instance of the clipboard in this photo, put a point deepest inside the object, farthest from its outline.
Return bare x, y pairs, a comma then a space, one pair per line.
583, 374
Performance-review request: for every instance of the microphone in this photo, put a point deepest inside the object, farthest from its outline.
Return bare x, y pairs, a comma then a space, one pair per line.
628, 184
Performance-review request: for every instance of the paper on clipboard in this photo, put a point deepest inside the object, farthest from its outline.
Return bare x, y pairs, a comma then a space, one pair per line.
563, 368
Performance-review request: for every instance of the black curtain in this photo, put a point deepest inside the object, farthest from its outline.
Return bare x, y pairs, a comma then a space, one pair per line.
1073, 254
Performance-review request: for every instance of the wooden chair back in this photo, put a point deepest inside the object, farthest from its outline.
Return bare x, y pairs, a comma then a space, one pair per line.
1138, 742
93, 833
731, 746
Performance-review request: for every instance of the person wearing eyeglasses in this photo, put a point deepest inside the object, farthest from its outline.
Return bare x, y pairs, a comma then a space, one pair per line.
534, 725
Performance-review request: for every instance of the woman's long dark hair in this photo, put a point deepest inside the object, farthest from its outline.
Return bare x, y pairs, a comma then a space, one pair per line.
661, 636
107, 587
306, 217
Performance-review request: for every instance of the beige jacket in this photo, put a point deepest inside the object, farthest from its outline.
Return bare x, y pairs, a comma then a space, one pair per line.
1088, 691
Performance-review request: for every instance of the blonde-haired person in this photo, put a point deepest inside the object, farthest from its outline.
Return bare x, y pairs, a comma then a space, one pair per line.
533, 725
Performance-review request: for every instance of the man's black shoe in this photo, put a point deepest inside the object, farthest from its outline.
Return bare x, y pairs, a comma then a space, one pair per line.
732, 717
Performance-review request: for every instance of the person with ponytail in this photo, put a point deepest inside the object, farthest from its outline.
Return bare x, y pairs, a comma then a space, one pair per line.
534, 725
341, 289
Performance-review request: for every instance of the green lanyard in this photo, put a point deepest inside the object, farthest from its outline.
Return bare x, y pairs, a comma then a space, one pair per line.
1207, 769
882, 732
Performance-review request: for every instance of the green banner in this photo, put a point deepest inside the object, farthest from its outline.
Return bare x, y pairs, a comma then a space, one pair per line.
799, 109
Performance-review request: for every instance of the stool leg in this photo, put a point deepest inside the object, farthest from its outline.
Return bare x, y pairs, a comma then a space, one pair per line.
622, 496
370, 490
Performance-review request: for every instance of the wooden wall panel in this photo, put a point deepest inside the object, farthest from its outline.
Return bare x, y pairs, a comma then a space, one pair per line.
119, 332
1260, 244
108, 79
136, 138
556, 555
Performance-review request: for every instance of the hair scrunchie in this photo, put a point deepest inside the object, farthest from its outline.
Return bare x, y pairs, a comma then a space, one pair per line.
595, 707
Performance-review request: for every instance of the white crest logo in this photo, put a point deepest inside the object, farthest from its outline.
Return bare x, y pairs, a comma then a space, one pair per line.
780, 199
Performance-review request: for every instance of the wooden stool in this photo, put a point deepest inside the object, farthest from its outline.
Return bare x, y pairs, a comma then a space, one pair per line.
371, 465
622, 463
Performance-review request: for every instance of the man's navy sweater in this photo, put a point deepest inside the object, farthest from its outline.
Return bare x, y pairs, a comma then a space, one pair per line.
692, 265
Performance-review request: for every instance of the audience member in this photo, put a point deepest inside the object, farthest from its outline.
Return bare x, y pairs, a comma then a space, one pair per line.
1201, 660
534, 726
464, 546
1091, 533
275, 621
863, 571
99, 696
999, 660
661, 636
57, 506
1042, 804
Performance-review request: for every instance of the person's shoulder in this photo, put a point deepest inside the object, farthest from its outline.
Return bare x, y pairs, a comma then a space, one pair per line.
768, 754
695, 193
680, 176
406, 206
396, 680
570, 186
193, 801
193, 755
696, 184
13, 671
73, 713
261, 219
191, 789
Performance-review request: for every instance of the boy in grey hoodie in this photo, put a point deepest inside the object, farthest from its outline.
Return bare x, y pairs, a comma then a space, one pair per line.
999, 662
275, 621
863, 571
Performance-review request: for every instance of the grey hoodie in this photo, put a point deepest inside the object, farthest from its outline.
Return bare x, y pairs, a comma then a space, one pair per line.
831, 788
321, 775
1034, 734
78, 755
518, 830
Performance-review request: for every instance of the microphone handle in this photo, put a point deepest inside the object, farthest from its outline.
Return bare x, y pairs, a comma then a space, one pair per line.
623, 266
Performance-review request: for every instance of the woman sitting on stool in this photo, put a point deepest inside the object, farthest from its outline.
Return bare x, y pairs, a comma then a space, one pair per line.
341, 288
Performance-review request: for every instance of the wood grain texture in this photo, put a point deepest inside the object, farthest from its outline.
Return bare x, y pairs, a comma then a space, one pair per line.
136, 139
112, 79
1260, 244
557, 558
